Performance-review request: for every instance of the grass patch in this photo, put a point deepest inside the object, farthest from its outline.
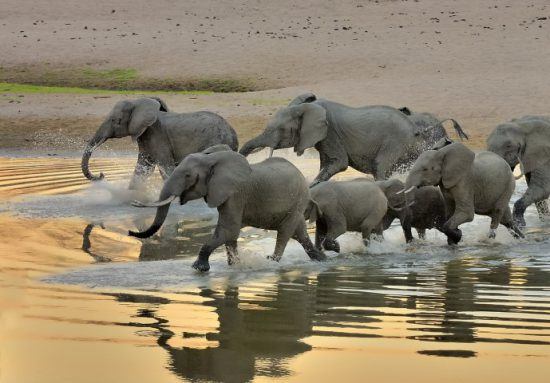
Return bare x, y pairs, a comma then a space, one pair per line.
121, 80
14, 88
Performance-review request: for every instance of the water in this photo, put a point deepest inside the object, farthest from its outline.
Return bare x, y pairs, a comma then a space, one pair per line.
82, 301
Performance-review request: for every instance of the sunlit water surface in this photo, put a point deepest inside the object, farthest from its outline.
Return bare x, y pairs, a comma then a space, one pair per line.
80, 301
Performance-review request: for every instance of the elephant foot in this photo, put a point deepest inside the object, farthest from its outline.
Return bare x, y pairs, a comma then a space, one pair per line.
232, 260
492, 234
519, 220
201, 265
316, 255
274, 257
331, 245
453, 236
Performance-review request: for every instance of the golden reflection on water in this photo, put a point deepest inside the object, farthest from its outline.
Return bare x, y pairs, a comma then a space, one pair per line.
464, 318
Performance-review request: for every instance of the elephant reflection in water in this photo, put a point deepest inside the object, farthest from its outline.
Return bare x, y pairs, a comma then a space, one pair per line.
250, 341
169, 245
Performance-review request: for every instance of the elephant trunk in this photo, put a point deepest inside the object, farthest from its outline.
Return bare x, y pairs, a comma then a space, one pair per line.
93, 144
162, 211
256, 144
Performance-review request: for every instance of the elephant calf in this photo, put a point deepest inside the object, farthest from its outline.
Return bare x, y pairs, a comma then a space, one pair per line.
272, 194
471, 183
337, 207
164, 138
423, 208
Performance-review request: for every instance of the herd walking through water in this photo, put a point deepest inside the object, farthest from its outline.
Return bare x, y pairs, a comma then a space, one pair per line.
446, 185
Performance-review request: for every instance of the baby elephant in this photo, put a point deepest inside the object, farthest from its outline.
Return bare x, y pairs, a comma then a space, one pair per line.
471, 183
423, 208
337, 207
272, 195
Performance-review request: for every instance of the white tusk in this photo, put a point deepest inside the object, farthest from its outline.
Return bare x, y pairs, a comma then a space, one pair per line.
400, 191
409, 190
412, 203
271, 152
154, 204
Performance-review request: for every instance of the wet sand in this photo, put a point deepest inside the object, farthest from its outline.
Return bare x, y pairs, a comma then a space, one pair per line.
81, 301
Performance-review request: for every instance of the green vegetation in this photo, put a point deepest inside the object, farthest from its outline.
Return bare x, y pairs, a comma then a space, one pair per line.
119, 80
6, 87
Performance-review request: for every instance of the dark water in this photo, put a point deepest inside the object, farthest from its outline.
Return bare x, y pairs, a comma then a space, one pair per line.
81, 301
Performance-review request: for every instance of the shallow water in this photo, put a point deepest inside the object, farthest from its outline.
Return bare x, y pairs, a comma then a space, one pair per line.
82, 301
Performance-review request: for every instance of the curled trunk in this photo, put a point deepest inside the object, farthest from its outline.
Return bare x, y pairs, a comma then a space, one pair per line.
92, 145
162, 212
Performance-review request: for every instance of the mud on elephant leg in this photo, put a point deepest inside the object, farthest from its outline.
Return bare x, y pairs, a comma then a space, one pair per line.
542, 206
496, 217
532, 195
508, 222
232, 253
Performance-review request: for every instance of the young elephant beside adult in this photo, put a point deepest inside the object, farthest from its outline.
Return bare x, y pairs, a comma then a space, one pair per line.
272, 194
422, 209
526, 141
371, 139
471, 183
340, 206
164, 138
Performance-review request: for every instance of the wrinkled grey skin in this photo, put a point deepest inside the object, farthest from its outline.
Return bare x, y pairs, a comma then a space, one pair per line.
422, 208
471, 184
164, 138
526, 139
272, 195
337, 207
371, 139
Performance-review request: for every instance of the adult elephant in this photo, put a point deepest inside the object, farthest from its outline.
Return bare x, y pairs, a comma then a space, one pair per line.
164, 138
272, 195
371, 139
526, 141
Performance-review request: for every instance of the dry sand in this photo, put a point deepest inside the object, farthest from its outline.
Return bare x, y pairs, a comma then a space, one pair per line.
480, 62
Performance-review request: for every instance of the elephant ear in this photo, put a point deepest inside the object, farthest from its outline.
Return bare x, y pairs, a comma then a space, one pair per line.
534, 149
457, 160
405, 110
302, 99
390, 189
229, 171
163, 106
144, 114
313, 128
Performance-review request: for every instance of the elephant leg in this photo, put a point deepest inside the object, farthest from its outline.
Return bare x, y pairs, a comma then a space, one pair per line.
144, 168
508, 222
284, 233
367, 227
226, 232
232, 253
384, 161
320, 233
300, 234
406, 225
421, 233
532, 195
333, 159
542, 205
335, 228
496, 217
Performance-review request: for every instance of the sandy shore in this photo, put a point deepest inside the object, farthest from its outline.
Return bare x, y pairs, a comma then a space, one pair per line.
477, 62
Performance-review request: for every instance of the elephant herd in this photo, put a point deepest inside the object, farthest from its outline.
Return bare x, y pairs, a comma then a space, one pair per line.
197, 157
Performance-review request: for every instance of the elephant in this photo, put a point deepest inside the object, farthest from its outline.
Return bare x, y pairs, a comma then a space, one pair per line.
423, 208
429, 129
526, 141
371, 139
471, 183
272, 195
164, 138
340, 206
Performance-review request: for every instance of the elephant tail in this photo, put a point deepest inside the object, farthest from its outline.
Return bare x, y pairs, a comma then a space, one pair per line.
458, 129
